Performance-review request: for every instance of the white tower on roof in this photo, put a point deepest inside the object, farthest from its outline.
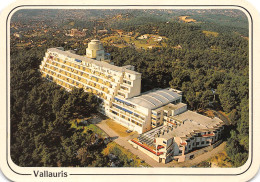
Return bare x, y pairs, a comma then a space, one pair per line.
95, 50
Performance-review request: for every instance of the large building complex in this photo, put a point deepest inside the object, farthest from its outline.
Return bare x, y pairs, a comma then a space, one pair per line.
168, 130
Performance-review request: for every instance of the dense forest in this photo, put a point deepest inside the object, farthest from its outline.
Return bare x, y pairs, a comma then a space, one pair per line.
212, 72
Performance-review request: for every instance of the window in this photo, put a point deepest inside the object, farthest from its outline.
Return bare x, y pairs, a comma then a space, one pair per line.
119, 93
164, 142
154, 118
197, 143
202, 142
124, 88
136, 115
127, 82
114, 112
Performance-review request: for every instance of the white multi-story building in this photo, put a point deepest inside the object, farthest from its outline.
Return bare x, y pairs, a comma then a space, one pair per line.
183, 132
96, 73
159, 115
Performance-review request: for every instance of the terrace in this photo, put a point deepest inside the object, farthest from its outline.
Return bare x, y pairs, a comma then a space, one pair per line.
147, 147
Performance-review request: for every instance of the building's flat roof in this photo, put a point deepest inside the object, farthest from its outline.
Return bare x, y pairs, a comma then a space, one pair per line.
155, 98
192, 122
92, 61
171, 106
198, 118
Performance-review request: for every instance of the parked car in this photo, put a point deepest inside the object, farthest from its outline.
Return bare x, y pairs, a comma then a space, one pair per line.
128, 131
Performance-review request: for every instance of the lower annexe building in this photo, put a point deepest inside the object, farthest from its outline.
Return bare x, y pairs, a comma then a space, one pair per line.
168, 130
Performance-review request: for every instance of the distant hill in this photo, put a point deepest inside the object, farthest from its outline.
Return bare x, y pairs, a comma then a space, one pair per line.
209, 19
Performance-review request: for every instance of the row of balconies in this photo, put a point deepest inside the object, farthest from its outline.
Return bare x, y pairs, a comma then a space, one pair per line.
74, 70
172, 120
83, 68
140, 115
128, 116
58, 80
80, 78
128, 119
197, 142
61, 80
79, 71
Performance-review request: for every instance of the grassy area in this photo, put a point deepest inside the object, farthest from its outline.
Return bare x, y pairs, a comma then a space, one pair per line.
209, 113
204, 164
226, 115
127, 158
96, 130
186, 19
139, 43
92, 127
119, 129
220, 160
209, 33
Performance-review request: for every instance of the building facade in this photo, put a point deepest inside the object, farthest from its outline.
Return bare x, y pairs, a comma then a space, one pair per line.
168, 130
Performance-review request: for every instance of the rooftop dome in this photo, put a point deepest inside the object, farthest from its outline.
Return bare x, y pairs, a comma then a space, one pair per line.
95, 45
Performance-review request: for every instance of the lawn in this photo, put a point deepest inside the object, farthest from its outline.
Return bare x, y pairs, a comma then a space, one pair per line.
96, 130
86, 127
139, 43
209, 33
119, 129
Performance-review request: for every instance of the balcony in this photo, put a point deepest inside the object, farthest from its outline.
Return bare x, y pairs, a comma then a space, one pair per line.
160, 147
208, 135
146, 147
